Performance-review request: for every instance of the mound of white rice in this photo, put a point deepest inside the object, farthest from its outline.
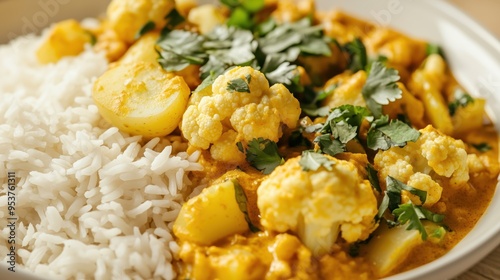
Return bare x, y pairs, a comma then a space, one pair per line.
92, 202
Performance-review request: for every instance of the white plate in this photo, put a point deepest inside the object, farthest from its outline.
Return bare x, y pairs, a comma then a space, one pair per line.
474, 57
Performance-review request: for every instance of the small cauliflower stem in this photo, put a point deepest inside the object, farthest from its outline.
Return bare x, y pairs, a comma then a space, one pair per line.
432, 158
318, 205
217, 117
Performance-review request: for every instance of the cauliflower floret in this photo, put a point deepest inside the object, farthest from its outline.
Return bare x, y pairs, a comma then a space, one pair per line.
423, 182
224, 116
318, 205
127, 17
433, 157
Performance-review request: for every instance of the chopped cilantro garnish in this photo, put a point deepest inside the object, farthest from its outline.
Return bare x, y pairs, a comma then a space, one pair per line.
392, 195
312, 161
373, 177
462, 99
262, 154
407, 213
308, 39
482, 147
93, 38
149, 26
358, 58
174, 58
238, 85
297, 139
412, 215
242, 12
434, 49
384, 134
242, 200
208, 81
173, 19
314, 108
330, 146
380, 88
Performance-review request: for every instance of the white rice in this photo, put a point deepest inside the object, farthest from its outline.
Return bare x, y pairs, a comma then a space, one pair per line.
92, 202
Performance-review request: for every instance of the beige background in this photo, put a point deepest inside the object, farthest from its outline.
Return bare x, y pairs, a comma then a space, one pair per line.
486, 12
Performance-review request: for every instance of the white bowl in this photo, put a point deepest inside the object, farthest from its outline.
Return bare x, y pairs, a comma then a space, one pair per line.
473, 53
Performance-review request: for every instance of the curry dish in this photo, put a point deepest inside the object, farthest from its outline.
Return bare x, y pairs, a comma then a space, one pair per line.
332, 148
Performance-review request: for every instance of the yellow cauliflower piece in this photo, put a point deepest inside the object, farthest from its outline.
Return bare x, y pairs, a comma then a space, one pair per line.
349, 91
318, 205
221, 117
433, 157
127, 17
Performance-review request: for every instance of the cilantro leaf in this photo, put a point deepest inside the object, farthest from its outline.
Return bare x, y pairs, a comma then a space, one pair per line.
434, 49
462, 99
240, 18
149, 26
397, 186
410, 214
227, 47
309, 39
262, 154
392, 195
373, 177
482, 147
313, 109
174, 58
330, 146
173, 18
242, 200
242, 12
358, 59
238, 85
380, 88
395, 133
284, 74
313, 161
353, 115
207, 82
297, 139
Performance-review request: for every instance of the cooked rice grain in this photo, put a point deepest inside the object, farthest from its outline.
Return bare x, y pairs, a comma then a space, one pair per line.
92, 202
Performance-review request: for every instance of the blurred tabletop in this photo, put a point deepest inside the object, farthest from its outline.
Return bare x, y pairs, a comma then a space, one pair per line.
486, 12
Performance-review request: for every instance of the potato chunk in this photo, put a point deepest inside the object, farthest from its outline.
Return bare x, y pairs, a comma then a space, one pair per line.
210, 216
389, 247
141, 98
66, 38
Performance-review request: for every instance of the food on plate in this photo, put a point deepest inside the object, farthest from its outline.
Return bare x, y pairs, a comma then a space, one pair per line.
243, 140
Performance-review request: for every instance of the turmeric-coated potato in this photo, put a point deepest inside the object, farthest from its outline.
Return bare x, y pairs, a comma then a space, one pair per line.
66, 38
211, 216
145, 50
141, 98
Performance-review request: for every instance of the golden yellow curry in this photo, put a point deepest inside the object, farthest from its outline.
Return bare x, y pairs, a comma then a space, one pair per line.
332, 148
